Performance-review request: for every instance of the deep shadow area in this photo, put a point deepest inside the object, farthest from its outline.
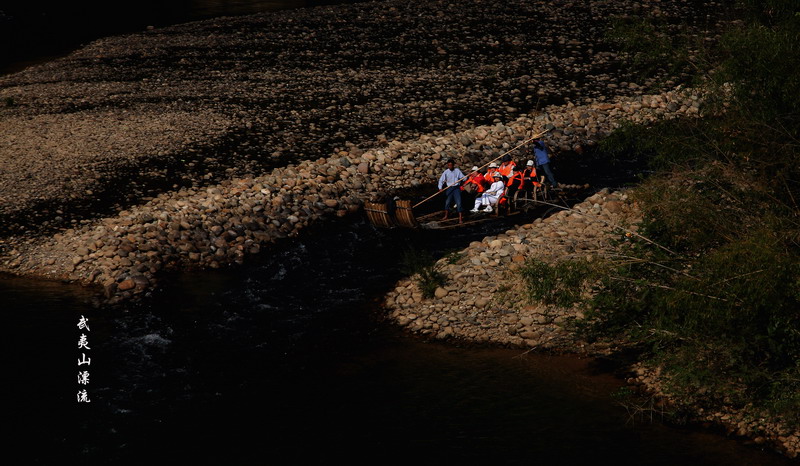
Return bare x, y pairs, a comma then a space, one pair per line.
284, 360
36, 31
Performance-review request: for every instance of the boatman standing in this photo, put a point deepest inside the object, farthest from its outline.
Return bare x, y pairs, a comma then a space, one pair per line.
542, 153
451, 179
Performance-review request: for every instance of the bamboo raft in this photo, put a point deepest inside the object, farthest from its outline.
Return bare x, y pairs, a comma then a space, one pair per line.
400, 213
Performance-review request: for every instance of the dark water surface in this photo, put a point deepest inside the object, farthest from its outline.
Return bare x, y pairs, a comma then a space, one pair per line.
284, 361
33, 31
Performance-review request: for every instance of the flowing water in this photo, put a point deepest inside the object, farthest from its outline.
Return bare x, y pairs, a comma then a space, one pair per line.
287, 361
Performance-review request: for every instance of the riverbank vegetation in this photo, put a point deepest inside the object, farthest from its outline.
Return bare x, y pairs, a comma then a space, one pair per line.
422, 266
713, 297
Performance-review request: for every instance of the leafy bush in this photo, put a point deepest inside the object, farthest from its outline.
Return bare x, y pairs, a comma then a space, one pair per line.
560, 284
717, 306
723, 322
758, 62
428, 279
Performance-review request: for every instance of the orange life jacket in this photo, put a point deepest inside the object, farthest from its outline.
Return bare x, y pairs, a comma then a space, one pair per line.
505, 168
529, 178
490, 174
478, 180
516, 178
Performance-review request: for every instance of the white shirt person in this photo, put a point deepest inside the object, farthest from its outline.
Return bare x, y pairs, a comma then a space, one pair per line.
491, 196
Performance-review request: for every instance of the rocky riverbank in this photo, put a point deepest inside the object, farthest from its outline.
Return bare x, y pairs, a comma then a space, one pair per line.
127, 118
484, 301
749, 423
219, 225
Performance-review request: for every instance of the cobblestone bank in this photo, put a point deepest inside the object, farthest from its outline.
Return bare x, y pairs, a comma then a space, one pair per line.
218, 225
483, 301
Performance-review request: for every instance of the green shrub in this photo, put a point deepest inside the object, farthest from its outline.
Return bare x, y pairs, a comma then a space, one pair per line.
453, 257
717, 305
561, 284
422, 266
723, 323
428, 279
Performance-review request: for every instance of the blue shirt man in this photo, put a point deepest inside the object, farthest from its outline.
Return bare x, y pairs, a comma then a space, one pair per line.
451, 179
541, 152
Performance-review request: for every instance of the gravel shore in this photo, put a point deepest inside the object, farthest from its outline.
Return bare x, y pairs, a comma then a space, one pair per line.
482, 300
126, 118
219, 225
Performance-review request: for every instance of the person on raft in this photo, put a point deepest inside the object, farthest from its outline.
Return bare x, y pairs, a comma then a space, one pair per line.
542, 156
507, 166
491, 173
524, 180
451, 179
489, 198
475, 182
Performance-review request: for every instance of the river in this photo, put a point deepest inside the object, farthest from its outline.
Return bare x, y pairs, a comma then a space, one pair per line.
286, 361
